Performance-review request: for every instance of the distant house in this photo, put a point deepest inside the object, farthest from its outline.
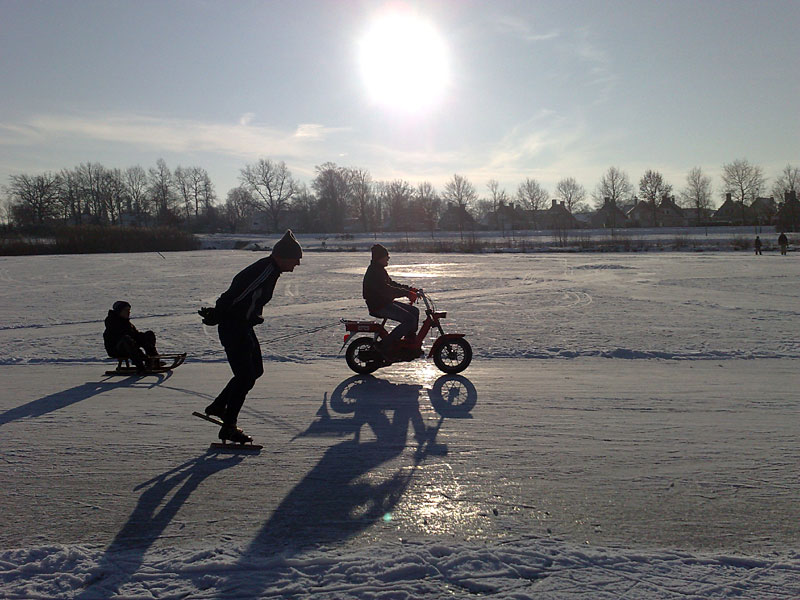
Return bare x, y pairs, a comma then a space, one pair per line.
608, 216
456, 218
665, 214
557, 217
764, 210
788, 215
507, 216
733, 213
670, 214
695, 216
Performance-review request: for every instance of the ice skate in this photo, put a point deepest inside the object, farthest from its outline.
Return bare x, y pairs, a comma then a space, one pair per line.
234, 434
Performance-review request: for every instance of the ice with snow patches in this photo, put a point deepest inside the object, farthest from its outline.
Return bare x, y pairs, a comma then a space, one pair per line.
514, 568
627, 428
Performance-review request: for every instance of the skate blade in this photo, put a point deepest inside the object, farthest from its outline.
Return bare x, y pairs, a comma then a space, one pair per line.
236, 447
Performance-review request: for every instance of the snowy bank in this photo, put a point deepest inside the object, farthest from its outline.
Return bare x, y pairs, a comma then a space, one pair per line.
514, 568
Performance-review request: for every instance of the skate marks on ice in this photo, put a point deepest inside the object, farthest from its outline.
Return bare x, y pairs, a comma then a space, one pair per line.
121, 564
63, 399
359, 481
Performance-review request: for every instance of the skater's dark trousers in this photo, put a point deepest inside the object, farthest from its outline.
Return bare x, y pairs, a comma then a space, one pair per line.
244, 356
407, 314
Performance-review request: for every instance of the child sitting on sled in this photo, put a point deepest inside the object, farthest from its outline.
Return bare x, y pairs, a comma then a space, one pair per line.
123, 340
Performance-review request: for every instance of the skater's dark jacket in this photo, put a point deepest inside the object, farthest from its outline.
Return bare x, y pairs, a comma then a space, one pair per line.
116, 328
250, 290
379, 290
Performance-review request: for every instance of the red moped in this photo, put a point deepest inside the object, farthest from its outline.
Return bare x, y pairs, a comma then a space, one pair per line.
450, 352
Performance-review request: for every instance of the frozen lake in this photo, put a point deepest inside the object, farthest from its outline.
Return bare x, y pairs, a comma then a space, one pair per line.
629, 425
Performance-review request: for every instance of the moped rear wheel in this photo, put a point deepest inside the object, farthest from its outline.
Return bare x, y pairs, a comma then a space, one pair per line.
453, 355
362, 356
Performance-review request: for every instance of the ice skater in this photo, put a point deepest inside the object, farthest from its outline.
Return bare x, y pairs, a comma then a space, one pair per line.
380, 292
123, 340
757, 245
783, 242
236, 312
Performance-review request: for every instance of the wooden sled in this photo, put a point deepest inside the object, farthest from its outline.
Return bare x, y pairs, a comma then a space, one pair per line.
171, 361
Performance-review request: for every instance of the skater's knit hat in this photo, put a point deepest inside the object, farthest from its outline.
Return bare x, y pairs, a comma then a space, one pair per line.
379, 251
119, 305
287, 247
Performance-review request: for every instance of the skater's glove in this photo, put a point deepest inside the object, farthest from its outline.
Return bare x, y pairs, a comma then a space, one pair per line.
209, 315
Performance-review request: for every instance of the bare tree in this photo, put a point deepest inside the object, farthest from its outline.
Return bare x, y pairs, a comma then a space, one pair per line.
70, 196
135, 180
533, 197
113, 192
238, 207
396, 197
36, 195
333, 188
697, 193
272, 186
652, 186
461, 193
787, 181
614, 185
196, 190
743, 181
429, 203
182, 178
363, 196
161, 186
306, 208
572, 194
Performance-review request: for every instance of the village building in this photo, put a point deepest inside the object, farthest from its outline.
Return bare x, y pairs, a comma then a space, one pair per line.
733, 212
608, 216
788, 215
666, 214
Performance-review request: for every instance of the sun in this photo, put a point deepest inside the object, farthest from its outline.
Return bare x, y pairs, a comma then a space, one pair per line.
404, 62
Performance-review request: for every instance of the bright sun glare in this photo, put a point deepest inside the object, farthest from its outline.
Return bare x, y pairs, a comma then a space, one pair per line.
404, 62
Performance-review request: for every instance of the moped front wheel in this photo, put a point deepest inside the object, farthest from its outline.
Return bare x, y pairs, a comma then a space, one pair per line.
362, 356
453, 355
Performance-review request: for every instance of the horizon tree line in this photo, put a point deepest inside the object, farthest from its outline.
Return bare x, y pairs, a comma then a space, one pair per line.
338, 198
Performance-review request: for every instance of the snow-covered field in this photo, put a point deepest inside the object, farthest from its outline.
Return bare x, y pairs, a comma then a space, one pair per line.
628, 428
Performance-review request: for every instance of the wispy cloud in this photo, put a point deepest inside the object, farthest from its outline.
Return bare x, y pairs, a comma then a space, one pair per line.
242, 139
508, 25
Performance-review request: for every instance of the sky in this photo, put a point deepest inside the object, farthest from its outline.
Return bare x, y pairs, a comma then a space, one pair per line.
501, 90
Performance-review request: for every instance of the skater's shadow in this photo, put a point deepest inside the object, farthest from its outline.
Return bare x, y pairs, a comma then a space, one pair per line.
64, 398
153, 513
353, 485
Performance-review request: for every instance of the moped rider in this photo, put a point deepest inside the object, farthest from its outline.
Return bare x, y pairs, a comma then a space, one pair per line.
380, 291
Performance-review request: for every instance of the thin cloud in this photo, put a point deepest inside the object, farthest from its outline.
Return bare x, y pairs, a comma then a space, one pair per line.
508, 25
242, 139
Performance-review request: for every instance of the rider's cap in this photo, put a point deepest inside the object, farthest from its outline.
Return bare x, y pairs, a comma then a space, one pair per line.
119, 305
287, 247
379, 251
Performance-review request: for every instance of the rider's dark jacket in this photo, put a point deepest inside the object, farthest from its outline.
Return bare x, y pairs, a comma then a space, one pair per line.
116, 328
249, 291
379, 289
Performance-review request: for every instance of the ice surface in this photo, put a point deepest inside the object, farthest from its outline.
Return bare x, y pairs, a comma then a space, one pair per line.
655, 457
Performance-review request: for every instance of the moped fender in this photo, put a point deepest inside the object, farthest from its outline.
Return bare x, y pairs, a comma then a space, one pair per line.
442, 339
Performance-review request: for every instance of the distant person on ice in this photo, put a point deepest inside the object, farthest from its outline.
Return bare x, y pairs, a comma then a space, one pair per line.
123, 340
783, 242
237, 311
380, 292
757, 245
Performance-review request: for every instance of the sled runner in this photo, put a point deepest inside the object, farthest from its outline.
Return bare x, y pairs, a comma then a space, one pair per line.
233, 447
166, 362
